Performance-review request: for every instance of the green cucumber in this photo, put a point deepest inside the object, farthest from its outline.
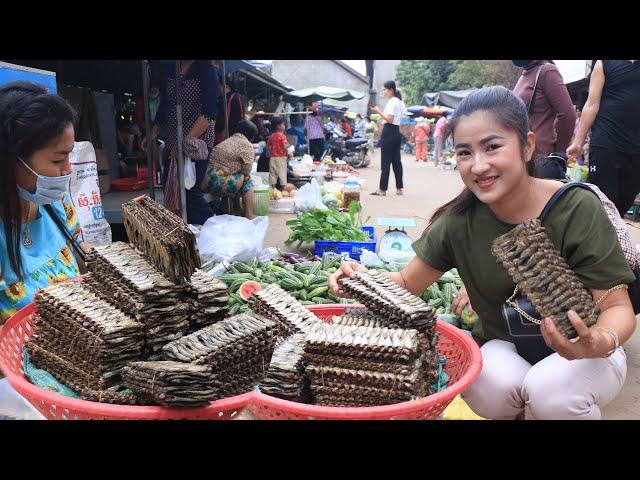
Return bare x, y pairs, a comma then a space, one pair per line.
321, 300
244, 268
318, 292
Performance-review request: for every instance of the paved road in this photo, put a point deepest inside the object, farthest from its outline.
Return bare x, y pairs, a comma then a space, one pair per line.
428, 187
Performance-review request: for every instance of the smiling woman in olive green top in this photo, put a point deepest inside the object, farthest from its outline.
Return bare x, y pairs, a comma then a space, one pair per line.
494, 150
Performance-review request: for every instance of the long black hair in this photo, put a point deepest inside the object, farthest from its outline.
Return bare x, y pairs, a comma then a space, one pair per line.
30, 118
391, 85
510, 112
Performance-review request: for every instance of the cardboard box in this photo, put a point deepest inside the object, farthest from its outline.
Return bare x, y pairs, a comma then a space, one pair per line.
102, 160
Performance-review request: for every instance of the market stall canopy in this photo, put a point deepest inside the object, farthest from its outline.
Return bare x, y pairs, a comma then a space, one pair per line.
447, 98
322, 93
573, 70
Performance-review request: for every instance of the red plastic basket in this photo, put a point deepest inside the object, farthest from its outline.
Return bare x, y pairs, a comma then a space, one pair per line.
464, 363
58, 407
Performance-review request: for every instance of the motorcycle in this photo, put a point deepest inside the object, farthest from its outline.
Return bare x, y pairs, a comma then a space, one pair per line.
353, 151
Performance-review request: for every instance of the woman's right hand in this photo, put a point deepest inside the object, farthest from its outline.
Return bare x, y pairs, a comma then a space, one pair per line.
347, 269
460, 301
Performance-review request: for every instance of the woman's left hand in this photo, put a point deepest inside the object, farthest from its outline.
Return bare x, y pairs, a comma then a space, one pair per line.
590, 342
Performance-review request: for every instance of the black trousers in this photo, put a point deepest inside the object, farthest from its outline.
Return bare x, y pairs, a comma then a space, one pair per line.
390, 140
617, 174
315, 146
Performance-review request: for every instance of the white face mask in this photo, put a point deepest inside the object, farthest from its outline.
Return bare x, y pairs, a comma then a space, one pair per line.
48, 189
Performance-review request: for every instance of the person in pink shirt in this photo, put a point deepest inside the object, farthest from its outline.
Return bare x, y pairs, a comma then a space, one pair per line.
422, 131
439, 136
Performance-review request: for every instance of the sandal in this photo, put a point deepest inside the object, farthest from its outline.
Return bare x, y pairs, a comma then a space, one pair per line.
399, 192
378, 194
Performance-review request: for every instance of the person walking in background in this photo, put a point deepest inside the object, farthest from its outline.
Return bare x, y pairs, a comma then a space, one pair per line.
422, 131
439, 137
551, 104
278, 151
391, 138
612, 112
315, 132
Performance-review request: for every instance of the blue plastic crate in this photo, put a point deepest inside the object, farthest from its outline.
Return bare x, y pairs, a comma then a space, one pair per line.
354, 249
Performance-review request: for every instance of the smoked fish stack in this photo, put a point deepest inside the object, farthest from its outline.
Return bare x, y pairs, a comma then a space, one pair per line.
286, 377
237, 350
163, 237
274, 302
365, 366
82, 340
122, 275
543, 276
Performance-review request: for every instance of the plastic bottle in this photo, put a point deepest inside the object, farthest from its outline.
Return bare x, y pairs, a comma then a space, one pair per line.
351, 191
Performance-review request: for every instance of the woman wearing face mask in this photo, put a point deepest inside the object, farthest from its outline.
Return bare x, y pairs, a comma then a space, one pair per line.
37, 218
493, 148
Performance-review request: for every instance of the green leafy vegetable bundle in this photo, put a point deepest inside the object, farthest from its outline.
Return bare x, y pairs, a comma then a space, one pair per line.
327, 225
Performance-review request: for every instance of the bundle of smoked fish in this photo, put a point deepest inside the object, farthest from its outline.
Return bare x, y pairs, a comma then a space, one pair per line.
237, 349
351, 366
276, 303
170, 384
163, 237
543, 276
84, 341
286, 377
122, 275
209, 302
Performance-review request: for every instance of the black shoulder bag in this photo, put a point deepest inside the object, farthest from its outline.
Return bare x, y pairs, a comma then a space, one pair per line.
79, 252
521, 319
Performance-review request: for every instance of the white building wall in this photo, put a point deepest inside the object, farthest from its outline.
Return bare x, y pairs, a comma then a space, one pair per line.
383, 70
300, 74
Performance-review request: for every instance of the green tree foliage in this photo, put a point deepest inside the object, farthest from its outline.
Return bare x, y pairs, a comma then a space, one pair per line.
484, 73
417, 77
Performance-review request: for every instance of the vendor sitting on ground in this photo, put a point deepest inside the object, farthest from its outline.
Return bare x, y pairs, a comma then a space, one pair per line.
230, 165
493, 150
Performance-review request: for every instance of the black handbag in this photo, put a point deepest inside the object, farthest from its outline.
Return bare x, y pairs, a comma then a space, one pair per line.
521, 319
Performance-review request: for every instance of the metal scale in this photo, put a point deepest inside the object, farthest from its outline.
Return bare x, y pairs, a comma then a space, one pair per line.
395, 238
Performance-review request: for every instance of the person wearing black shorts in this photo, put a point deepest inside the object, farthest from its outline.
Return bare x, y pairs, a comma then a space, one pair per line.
612, 112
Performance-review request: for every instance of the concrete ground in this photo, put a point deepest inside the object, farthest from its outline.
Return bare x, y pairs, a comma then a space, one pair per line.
426, 188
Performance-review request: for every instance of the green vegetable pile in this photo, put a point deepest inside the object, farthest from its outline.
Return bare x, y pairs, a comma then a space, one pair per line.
327, 225
440, 295
307, 282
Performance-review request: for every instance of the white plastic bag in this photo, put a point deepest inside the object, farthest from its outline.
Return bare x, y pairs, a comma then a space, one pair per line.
85, 195
231, 238
307, 160
189, 173
309, 197
370, 259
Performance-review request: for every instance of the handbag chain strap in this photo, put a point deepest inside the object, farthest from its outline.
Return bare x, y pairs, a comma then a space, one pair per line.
517, 308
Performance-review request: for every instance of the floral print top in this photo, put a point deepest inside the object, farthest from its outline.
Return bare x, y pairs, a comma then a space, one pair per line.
49, 260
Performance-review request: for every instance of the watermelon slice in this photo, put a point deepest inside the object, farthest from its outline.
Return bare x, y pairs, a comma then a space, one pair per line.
248, 288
